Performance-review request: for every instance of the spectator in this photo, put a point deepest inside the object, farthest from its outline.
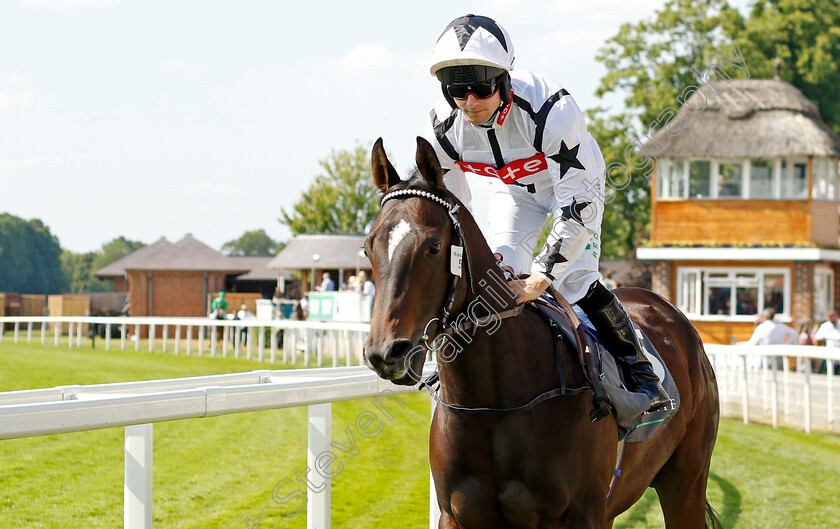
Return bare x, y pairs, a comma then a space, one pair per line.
244, 314
769, 332
829, 331
219, 307
327, 283
366, 286
806, 332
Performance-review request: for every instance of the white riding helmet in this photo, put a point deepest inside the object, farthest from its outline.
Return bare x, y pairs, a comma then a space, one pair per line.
473, 40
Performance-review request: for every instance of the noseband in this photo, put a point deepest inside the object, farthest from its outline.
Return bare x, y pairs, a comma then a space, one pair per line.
456, 251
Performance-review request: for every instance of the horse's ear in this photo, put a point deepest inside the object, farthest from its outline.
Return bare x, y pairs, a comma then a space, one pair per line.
384, 174
428, 164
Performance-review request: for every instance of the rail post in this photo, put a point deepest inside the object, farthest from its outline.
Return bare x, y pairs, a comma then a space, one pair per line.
138, 477
318, 444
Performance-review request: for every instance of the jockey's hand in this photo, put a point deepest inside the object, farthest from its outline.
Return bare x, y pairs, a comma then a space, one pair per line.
528, 289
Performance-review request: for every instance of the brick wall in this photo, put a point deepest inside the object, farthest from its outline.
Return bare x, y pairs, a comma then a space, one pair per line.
661, 279
836, 286
803, 291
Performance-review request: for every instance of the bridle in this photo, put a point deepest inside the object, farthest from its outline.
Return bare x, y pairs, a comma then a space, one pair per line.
458, 249
457, 252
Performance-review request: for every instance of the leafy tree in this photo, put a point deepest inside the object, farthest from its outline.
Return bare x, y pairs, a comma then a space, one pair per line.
343, 200
79, 269
255, 242
627, 204
115, 250
651, 61
29, 257
805, 35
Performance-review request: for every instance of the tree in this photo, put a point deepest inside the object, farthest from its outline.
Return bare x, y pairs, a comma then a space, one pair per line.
651, 61
343, 200
255, 242
29, 257
627, 204
805, 35
79, 269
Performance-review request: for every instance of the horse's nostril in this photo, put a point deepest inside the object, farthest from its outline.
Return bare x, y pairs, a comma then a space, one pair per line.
399, 350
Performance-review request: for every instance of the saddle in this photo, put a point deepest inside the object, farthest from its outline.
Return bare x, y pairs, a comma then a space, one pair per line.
605, 377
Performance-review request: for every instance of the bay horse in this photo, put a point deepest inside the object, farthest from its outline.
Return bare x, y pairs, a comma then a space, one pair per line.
496, 462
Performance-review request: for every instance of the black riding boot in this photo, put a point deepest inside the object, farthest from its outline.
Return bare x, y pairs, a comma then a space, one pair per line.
613, 324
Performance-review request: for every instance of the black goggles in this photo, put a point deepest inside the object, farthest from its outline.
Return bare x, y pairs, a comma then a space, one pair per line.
481, 90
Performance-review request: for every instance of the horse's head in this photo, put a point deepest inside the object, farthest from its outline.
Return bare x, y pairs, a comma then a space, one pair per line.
409, 249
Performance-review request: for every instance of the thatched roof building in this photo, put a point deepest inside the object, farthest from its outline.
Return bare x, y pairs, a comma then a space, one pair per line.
744, 207
745, 119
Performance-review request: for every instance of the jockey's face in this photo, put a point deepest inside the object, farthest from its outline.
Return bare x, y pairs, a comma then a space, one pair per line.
478, 111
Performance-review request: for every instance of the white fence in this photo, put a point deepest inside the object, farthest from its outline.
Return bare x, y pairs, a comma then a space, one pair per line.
772, 383
777, 384
316, 343
137, 405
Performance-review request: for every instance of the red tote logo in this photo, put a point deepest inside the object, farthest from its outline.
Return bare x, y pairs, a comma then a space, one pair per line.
509, 173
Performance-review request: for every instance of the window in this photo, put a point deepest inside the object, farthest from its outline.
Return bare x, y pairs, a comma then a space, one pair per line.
699, 179
825, 179
794, 180
761, 179
730, 180
823, 292
671, 181
732, 293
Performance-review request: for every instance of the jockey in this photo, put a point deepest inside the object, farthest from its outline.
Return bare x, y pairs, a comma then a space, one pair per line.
528, 136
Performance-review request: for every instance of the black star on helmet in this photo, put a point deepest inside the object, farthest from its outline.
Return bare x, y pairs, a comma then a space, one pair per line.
567, 158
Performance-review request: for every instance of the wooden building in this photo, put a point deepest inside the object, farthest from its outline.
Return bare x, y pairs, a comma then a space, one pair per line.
745, 208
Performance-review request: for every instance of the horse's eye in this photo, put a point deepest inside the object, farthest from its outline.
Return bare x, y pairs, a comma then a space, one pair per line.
434, 249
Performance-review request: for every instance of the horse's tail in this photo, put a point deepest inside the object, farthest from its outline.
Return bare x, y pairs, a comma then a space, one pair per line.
712, 519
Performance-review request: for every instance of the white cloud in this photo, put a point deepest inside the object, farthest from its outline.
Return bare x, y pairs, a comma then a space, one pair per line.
66, 4
182, 68
370, 61
32, 161
23, 99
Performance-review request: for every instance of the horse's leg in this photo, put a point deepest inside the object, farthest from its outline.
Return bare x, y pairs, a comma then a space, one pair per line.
681, 483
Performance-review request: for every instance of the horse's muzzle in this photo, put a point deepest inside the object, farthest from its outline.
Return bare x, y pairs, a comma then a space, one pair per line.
396, 361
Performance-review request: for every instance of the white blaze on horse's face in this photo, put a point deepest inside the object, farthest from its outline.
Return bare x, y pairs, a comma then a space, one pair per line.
397, 234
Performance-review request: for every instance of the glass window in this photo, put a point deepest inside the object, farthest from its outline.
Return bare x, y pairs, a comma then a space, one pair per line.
746, 294
699, 179
761, 179
794, 180
738, 293
825, 179
729, 180
774, 292
671, 182
823, 292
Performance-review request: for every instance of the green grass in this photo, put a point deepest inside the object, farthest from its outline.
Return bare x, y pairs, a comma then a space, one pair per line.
212, 473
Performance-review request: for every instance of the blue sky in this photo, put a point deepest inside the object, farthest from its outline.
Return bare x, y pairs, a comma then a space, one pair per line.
161, 118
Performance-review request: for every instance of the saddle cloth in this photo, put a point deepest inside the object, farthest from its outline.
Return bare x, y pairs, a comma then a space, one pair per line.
634, 423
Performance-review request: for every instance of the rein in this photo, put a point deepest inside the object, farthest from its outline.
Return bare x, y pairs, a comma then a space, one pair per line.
457, 250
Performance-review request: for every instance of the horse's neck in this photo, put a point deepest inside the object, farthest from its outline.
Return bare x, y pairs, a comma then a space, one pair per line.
505, 360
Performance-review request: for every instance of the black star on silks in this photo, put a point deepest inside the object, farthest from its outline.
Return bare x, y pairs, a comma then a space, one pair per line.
567, 158
572, 211
552, 257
